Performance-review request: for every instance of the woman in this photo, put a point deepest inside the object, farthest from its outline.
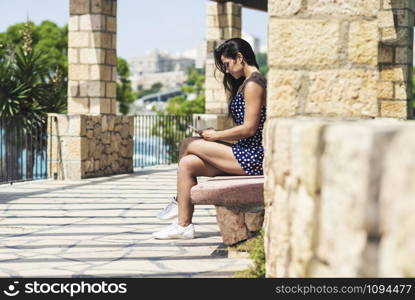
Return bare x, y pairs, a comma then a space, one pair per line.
207, 155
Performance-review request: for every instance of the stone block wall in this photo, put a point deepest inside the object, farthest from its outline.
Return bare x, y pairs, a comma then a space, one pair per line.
82, 146
340, 58
339, 197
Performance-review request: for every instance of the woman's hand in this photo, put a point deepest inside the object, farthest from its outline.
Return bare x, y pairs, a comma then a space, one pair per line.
208, 134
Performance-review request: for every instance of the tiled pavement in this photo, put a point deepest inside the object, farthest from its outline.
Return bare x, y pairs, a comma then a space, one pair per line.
101, 227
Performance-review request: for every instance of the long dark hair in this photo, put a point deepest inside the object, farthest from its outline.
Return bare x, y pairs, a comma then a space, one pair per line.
230, 48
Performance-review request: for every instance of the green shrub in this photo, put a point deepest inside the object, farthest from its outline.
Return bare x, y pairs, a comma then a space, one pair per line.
255, 248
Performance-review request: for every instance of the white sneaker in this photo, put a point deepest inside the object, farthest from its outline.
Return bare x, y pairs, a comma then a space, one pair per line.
170, 211
175, 231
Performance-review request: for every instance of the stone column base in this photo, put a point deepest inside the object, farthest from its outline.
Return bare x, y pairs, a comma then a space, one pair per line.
85, 146
237, 224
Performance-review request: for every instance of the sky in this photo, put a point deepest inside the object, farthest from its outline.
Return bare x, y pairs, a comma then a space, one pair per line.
170, 25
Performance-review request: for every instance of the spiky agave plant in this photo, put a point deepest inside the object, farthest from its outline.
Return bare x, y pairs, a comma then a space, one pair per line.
22, 84
20, 114
12, 92
28, 90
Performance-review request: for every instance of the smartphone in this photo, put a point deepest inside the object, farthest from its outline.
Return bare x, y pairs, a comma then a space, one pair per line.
193, 128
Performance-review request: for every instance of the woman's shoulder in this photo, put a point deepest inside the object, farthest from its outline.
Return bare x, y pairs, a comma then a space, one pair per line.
253, 86
253, 80
258, 78
255, 83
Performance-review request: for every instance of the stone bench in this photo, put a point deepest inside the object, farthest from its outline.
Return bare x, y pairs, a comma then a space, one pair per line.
239, 202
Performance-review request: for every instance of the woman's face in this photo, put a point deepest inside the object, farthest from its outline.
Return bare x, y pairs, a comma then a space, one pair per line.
233, 67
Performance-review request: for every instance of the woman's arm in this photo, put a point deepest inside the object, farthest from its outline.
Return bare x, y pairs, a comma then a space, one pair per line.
253, 102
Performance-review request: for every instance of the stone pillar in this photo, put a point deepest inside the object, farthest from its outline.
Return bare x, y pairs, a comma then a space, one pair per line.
92, 57
396, 21
224, 22
325, 58
91, 140
332, 64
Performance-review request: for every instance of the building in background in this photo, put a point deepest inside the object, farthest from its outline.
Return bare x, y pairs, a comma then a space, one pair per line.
159, 66
145, 104
170, 70
157, 61
201, 52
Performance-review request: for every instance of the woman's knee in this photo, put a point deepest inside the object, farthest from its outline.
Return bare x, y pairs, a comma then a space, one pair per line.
184, 146
190, 164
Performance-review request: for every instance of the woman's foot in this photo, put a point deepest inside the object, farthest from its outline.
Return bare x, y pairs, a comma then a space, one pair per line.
175, 231
170, 211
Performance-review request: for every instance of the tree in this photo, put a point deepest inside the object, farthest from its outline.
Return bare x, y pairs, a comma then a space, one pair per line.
195, 82
155, 88
262, 61
180, 109
46, 66
181, 105
28, 90
47, 38
125, 94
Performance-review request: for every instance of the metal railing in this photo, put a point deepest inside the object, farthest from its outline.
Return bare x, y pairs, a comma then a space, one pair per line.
157, 139
23, 151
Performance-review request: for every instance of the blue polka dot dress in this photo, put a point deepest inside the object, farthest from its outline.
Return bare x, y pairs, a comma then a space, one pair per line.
249, 152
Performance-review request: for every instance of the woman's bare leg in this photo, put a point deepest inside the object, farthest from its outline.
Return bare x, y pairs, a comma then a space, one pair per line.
189, 168
216, 154
201, 158
185, 144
